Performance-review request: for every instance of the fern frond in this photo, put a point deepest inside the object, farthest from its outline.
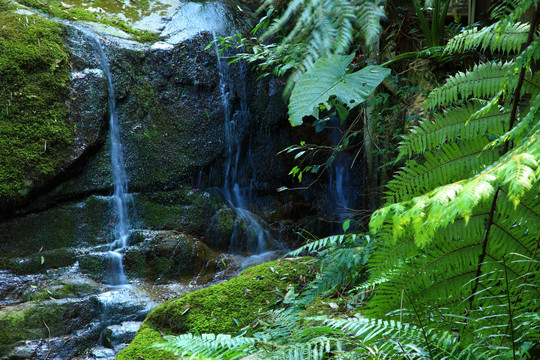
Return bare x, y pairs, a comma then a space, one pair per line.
511, 40
452, 125
440, 167
315, 29
208, 346
483, 81
327, 242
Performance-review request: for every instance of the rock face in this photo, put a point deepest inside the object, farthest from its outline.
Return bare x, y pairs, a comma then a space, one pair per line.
56, 225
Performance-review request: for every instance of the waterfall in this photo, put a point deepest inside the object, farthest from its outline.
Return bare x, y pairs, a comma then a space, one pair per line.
339, 178
120, 216
235, 194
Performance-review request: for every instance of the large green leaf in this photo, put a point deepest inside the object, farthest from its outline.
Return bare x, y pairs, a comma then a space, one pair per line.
326, 79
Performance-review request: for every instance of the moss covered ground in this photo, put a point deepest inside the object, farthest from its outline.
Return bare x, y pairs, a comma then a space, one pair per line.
224, 308
34, 77
30, 321
103, 11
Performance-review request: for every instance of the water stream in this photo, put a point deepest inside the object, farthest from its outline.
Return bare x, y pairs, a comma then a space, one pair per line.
120, 217
237, 194
340, 191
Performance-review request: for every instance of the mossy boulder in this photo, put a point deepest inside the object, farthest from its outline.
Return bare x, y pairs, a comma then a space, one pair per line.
139, 348
64, 287
184, 209
41, 319
70, 225
223, 308
169, 255
34, 127
41, 262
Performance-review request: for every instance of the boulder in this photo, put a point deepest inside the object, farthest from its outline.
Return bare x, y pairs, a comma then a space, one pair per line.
223, 308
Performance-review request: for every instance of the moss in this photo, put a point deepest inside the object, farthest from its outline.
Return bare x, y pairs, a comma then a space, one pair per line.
227, 307
63, 290
30, 321
223, 308
41, 262
184, 210
140, 346
34, 131
78, 11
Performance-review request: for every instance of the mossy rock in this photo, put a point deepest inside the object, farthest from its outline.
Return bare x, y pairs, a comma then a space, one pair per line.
139, 348
70, 225
184, 210
41, 262
41, 319
35, 134
65, 287
223, 308
170, 255
79, 10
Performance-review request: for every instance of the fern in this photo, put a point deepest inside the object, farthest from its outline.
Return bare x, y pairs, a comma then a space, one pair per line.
313, 29
483, 81
509, 41
461, 227
208, 346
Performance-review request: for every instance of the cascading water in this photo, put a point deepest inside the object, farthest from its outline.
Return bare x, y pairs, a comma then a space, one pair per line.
257, 237
339, 178
120, 218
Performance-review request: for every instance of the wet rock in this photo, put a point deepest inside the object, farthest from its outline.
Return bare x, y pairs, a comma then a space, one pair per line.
122, 333
66, 286
70, 225
168, 255
43, 319
13, 286
186, 210
220, 229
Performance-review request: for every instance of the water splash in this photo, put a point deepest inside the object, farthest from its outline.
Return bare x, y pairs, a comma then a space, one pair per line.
253, 237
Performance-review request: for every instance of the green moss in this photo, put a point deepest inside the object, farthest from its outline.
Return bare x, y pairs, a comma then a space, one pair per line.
30, 321
63, 290
33, 128
223, 308
77, 10
40, 262
140, 346
227, 307
185, 210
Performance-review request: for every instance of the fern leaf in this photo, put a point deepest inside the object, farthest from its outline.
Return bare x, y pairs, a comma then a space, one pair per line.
483, 81
452, 125
439, 167
510, 40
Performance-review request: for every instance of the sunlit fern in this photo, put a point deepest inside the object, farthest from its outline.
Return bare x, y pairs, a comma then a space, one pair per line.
461, 226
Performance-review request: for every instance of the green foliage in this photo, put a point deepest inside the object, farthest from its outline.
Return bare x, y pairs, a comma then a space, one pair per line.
142, 346
434, 34
509, 41
328, 80
483, 81
460, 230
304, 31
34, 131
341, 261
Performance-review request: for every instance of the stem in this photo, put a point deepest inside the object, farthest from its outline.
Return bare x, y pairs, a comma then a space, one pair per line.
435, 23
510, 324
423, 21
421, 327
